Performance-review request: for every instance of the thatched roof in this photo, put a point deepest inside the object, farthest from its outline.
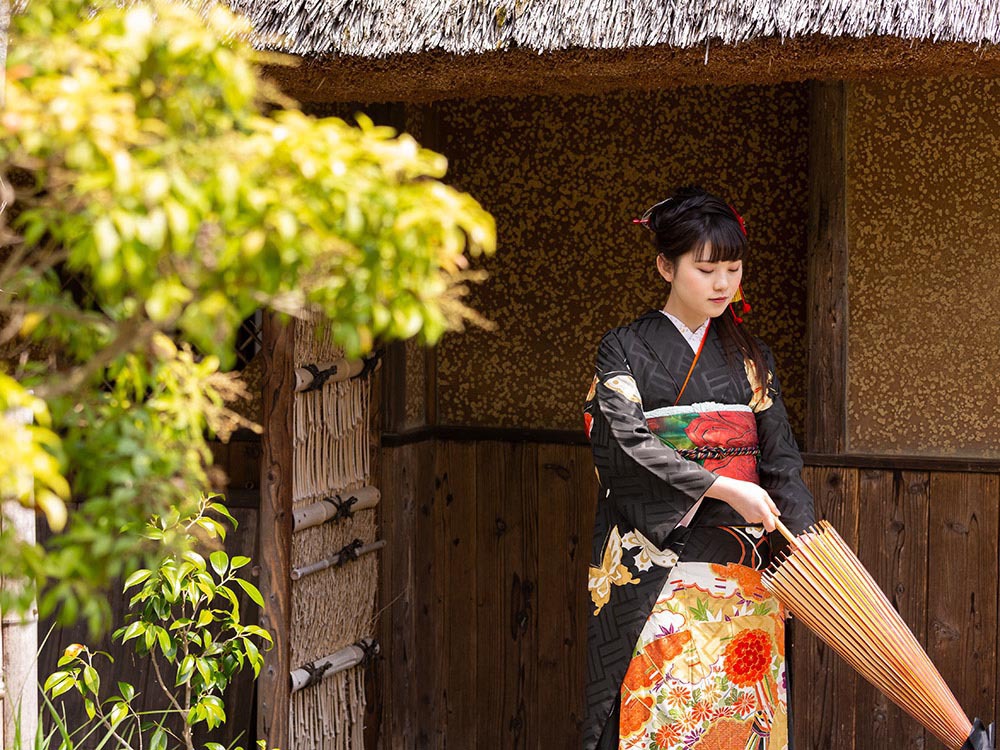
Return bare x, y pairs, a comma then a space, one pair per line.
349, 43
378, 28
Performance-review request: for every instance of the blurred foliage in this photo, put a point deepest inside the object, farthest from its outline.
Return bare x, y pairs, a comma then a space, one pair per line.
157, 192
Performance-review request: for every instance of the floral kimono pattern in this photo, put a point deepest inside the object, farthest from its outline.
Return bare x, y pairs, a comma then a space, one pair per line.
707, 672
684, 649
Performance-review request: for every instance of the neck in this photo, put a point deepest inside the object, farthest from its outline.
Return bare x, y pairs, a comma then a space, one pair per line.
693, 323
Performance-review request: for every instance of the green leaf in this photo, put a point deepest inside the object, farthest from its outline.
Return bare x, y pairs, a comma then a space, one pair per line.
251, 591
159, 740
204, 670
127, 691
136, 578
59, 682
220, 561
185, 670
91, 679
239, 561
88, 706
223, 511
166, 644
119, 711
133, 630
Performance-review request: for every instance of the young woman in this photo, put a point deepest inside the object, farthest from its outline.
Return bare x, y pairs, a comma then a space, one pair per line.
695, 459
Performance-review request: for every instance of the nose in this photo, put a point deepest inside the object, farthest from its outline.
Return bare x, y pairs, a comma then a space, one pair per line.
721, 282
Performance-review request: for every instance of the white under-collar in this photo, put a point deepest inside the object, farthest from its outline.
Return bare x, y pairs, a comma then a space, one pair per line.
692, 337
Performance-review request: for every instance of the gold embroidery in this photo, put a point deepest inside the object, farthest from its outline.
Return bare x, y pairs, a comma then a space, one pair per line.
649, 554
611, 573
761, 400
625, 385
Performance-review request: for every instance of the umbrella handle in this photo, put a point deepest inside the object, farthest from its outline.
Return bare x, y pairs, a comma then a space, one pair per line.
783, 530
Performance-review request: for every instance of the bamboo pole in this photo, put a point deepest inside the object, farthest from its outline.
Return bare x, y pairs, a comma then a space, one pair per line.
333, 560
327, 372
329, 508
346, 658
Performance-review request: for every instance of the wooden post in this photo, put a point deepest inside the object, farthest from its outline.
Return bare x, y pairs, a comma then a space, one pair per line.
19, 635
20, 649
826, 412
275, 540
4, 28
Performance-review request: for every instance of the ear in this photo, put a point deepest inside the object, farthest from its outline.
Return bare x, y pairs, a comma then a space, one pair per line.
665, 267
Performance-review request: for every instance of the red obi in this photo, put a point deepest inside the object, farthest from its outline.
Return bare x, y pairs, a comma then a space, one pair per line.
721, 437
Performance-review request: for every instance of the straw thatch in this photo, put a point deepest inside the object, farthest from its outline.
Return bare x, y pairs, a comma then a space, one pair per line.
394, 27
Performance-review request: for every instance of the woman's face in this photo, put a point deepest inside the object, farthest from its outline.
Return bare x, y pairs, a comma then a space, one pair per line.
699, 289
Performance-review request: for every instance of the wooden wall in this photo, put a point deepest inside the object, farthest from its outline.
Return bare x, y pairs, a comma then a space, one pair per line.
484, 595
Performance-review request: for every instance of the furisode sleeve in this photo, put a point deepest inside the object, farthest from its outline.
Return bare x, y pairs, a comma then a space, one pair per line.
780, 464
632, 455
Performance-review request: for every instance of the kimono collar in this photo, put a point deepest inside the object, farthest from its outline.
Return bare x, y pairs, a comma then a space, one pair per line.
693, 338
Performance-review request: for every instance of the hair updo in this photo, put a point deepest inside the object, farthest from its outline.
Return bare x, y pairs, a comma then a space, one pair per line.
691, 220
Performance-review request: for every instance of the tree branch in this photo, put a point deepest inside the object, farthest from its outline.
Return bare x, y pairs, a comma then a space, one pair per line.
132, 332
163, 685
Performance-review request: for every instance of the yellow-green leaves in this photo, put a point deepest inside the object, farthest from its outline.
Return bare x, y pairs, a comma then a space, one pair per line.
164, 194
30, 470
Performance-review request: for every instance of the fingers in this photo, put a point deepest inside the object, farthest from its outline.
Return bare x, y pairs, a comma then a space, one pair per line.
771, 513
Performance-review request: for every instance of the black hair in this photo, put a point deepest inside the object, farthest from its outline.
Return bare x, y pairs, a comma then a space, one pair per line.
690, 220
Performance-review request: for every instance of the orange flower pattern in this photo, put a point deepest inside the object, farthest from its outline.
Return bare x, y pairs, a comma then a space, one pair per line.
747, 658
707, 657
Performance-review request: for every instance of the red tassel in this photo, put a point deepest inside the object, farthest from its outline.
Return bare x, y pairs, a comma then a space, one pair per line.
746, 306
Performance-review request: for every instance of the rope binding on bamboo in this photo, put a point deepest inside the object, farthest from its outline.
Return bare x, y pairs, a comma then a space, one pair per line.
348, 553
359, 654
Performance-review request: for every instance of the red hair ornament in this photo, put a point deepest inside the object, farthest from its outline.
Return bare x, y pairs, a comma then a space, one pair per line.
740, 298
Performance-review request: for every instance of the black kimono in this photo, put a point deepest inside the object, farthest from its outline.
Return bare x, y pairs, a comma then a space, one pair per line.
647, 486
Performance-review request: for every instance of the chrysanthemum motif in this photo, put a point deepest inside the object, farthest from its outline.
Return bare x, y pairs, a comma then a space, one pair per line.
667, 735
747, 657
678, 695
746, 704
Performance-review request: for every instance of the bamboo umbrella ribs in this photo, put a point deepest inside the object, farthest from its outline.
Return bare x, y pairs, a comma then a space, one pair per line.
825, 586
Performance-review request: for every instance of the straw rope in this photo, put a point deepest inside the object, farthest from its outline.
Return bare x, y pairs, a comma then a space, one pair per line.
824, 584
314, 342
331, 443
327, 715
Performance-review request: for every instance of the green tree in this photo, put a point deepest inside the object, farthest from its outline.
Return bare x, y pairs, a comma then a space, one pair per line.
184, 613
159, 191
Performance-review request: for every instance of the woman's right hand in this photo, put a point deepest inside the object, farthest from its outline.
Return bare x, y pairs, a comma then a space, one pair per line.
748, 499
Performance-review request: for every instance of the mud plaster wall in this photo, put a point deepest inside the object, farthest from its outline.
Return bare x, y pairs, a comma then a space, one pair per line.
924, 277
564, 176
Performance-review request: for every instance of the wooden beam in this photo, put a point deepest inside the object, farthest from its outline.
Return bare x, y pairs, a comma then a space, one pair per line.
275, 542
826, 411
430, 136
